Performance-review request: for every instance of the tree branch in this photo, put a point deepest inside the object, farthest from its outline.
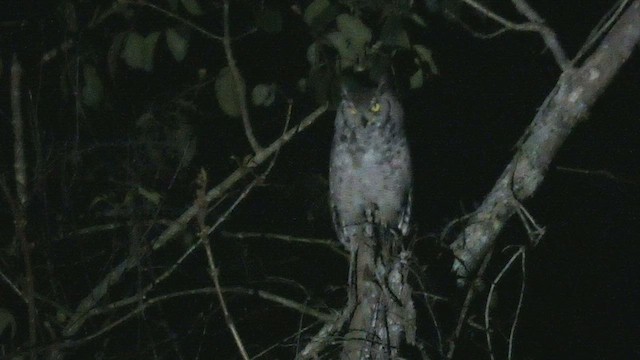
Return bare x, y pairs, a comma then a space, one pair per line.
238, 81
19, 209
181, 222
203, 206
535, 24
565, 107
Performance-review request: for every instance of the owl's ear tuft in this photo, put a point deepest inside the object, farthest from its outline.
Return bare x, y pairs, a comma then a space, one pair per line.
344, 92
348, 87
385, 84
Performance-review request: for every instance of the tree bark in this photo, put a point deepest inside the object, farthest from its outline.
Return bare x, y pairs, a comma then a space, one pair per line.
565, 107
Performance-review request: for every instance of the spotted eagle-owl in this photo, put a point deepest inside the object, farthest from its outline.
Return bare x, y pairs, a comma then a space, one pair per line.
370, 170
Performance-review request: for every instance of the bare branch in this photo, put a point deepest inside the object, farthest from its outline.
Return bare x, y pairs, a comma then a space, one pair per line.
179, 224
535, 24
601, 173
19, 164
512, 333
202, 205
14, 287
20, 212
239, 83
466, 306
324, 336
172, 15
603, 26
330, 243
565, 107
241, 172
487, 308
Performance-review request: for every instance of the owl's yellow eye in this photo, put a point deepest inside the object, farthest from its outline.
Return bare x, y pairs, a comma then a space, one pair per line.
375, 108
353, 110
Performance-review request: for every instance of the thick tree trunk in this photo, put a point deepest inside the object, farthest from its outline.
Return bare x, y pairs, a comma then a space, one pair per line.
384, 315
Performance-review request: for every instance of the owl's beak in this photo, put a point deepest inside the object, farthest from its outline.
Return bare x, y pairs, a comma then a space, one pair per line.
364, 121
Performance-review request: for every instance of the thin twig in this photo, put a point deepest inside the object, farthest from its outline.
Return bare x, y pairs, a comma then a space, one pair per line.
182, 20
519, 308
548, 35
535, 231
238, 82
536, 24
466, 306
80, 314
296, 335
226, 39
242, 171
432, 314
599, 30
14, 287
487, 308
604, 173
330, 243
266, 295
319, 341
202, 204
20, 214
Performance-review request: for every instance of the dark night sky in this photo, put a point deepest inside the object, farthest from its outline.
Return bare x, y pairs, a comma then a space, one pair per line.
583, 279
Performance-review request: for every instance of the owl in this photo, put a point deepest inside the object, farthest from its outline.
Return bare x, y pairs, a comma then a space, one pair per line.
370, 167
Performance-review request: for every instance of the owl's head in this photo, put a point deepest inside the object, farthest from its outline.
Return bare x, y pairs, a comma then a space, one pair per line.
366, 107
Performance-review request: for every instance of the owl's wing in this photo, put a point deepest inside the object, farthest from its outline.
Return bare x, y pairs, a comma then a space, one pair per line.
405, 215
339, 227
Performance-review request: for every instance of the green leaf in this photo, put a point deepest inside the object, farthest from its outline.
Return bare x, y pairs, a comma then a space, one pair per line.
138, 50
393, 34
151, 196
263, 94
192, 7
352, 40
269, 20
93, 90
312, 54
177, 44
315, 10
416, 80
7, 320
116, 45
354, 29
132, 53
301, 85
348, 54
149, 48
226, 94
418, 20
426, 56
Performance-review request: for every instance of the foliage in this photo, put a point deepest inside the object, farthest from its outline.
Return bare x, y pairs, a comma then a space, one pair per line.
148, 93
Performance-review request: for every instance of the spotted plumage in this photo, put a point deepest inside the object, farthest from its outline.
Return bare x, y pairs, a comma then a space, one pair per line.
370, 170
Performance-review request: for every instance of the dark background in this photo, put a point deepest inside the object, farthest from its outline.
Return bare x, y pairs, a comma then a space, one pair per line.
582, 279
